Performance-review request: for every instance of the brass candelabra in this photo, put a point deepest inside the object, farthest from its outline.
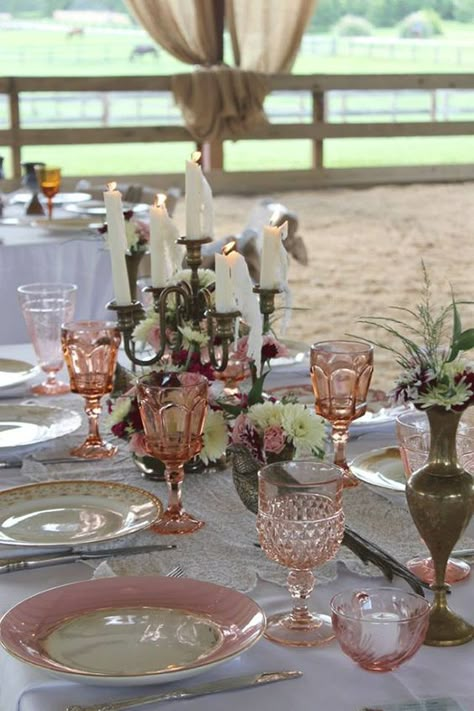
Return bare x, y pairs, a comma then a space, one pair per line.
183, 303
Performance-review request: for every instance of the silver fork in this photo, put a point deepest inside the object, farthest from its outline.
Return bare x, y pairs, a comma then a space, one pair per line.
176, 572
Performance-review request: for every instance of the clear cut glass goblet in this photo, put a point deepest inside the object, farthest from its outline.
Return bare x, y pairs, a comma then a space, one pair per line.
90, 350
340, 373
300, 525
173, 408
413, 435
45, 307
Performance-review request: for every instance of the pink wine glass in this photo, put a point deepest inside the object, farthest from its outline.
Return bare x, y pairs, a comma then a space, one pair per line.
173, 408
413, 434
340, 373
300, 524
45, 307
90, 350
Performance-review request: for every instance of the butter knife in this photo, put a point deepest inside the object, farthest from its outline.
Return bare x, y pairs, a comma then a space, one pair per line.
214, 687
45, 560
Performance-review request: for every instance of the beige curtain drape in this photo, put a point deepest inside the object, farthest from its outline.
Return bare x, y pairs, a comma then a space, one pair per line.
185, 28
266, 34
220, 101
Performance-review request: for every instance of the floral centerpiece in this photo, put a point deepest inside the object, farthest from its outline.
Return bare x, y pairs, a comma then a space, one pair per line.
440, 495
137, 232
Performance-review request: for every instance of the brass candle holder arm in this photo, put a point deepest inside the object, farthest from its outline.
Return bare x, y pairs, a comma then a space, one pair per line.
221, 332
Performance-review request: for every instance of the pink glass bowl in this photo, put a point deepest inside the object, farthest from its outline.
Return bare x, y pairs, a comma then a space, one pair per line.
379, 628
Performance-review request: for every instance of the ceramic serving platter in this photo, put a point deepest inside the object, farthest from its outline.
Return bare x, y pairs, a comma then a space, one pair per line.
27, 425
61, 225
131, 631
74, 512
14, 372
381, 470
97, 207
59, 199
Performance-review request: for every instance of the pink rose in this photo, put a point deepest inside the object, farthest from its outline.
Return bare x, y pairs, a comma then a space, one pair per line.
154, 338
274, 439
188, 379
137, 445
243, 432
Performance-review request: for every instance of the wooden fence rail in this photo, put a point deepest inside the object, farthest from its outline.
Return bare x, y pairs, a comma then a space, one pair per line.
16, 136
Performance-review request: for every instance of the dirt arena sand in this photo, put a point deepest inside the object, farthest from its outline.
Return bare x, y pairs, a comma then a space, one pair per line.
365, 249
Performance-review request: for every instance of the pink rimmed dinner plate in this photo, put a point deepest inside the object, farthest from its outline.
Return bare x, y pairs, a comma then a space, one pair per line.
131, 631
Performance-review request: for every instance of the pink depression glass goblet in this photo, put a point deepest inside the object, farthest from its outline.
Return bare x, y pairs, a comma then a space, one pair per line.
90, 350
45, 308
173, 408
413, 435
300, 524
380, 628
340, 373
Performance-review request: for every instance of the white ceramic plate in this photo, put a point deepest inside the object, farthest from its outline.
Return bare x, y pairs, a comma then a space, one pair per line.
14, 372
73, 513
63, 224
97, 207
59, 199
131, 631
382, 471
26, 425
298, 351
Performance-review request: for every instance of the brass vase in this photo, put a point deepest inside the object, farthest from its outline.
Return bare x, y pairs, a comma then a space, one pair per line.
440, 498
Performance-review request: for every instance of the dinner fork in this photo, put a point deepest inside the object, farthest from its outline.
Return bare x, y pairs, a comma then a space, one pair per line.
176, 572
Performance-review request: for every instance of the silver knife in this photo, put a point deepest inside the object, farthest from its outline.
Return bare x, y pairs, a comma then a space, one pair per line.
462, 553
214, 687
45, 560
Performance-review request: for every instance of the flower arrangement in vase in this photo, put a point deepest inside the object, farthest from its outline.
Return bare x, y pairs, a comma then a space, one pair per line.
436, 378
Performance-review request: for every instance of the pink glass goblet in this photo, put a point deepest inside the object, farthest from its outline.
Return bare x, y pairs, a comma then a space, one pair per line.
380, 628
45, 308
340, 373
413, 434
90, 350
173, 408
300, 525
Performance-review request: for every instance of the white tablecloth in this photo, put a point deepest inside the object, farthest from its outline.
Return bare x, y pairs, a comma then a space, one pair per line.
331, 681
31, 254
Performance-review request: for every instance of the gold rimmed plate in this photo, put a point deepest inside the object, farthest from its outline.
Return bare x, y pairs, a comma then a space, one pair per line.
14, 372
382, 471
71, 513
131, 631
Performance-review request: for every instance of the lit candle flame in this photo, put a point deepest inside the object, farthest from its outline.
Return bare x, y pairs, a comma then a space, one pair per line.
160, 200
196, 156
111, 186
229, 247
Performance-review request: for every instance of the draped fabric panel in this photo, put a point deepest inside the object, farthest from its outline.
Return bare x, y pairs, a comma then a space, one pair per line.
220, 101
185, 28
266, 34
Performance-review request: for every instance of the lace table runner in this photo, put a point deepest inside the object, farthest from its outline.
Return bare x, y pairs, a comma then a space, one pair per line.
224, 550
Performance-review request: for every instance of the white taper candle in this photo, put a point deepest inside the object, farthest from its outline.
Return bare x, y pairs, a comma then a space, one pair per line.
117, 241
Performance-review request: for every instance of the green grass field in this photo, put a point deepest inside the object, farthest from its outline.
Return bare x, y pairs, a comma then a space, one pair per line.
47, 53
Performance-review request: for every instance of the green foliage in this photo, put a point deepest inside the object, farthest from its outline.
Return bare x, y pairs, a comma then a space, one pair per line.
422, 24
463, 10
353, 26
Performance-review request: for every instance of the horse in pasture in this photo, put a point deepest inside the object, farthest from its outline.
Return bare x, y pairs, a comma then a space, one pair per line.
75, 32
140, 50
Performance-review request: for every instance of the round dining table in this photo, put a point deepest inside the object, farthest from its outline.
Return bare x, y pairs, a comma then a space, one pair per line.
433, 680
31, 251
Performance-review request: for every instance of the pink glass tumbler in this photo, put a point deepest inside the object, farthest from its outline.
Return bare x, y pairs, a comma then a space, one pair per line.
90, 350
340, 373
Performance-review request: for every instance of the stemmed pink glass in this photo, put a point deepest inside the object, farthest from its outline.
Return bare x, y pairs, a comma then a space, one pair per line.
300, 524
413, 434
340, 373
173, 408
45, 307
90, 350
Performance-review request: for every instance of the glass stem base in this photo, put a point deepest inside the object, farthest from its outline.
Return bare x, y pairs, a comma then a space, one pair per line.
51, 386
177, 523
423, 568
312, 631
91, 449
